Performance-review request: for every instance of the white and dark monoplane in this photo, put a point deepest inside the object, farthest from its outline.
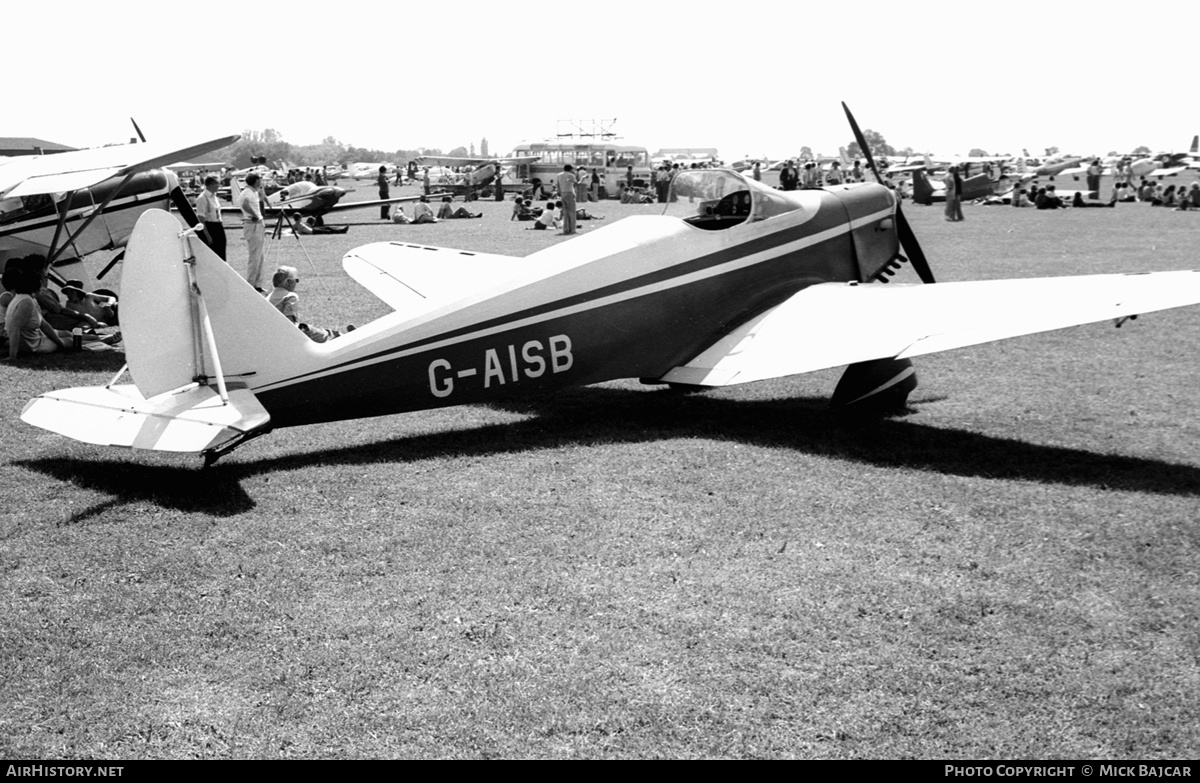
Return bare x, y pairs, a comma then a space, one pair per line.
736, 282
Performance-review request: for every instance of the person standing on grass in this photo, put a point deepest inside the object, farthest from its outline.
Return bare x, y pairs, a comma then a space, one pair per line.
254, 230
566, 191
209, 212
382, 182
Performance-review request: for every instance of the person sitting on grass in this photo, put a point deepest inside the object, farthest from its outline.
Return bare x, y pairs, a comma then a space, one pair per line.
7, 283
1077, 201
101, 305
422, 212
58, 315
285, 299
27, 331
447, 213
548, 219
398, 216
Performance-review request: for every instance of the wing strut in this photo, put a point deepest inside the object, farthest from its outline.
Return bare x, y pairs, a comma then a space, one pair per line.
96, 211
201, 310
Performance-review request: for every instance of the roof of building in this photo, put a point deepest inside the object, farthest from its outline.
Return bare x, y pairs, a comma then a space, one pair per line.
27, 145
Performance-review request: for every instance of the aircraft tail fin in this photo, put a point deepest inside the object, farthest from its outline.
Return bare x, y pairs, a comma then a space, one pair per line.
1195, 148
197, 338
922, 191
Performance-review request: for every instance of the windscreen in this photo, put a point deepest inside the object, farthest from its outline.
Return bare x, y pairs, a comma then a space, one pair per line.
705, 193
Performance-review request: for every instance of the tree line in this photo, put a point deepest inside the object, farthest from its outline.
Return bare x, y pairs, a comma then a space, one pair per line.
269, 143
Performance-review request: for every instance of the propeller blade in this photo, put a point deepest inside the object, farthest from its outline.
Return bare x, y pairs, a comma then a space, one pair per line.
862, 143
904, 232
141, 135
184, 206
908, 241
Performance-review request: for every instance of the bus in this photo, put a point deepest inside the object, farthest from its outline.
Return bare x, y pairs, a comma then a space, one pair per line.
611, 160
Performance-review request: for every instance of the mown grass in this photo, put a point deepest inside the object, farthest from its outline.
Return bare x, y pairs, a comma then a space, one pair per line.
1007, 571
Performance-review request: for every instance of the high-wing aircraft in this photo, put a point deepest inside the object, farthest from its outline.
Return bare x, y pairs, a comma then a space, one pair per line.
88, 200
309, 200
735, 282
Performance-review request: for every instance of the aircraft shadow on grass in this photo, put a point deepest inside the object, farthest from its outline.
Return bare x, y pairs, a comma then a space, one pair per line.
598, 416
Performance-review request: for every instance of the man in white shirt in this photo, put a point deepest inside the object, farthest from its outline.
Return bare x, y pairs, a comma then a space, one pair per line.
208, 209
254, 229
422, 212
566, 192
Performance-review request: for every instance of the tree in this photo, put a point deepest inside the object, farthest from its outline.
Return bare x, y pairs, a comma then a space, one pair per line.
1142, 151
458, 152
806, 153
977, 153
875, 141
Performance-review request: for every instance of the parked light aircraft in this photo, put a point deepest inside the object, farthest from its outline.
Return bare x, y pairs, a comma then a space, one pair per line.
369, 170
79, 202
928, 191
735, 282
309, 200
1053, 166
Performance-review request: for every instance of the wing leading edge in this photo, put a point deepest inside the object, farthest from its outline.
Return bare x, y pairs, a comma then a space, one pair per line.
85, 168
832, 324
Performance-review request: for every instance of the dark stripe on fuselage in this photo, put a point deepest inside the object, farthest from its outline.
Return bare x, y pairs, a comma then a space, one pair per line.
143, 189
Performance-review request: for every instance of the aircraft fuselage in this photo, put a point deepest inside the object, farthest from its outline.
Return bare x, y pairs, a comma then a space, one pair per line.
30, 226
651, 292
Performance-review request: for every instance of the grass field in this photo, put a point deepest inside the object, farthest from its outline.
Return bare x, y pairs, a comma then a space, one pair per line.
1008, 571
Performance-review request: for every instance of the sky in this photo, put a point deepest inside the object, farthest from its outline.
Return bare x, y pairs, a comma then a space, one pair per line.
941, 77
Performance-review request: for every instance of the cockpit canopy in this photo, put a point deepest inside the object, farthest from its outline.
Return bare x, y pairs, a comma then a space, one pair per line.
717, 199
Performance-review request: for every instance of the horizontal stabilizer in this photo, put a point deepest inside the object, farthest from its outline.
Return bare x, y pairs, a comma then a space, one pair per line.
415, 279
832, 324
192, 420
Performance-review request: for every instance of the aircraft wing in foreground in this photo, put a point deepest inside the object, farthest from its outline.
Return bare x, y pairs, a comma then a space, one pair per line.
65, 171
866, 322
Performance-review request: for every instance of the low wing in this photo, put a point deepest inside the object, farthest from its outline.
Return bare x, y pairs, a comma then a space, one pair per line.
84, 168
298, 204
344, 205
418, 278
186, 166
833, 324
1170, 172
